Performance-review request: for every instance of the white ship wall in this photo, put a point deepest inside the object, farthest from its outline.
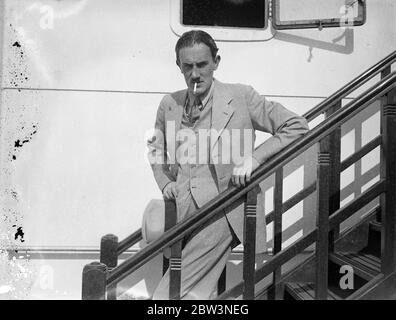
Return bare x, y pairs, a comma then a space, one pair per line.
81, 82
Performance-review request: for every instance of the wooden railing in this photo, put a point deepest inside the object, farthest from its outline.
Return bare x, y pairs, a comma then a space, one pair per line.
100, 279
383, 67
328, 221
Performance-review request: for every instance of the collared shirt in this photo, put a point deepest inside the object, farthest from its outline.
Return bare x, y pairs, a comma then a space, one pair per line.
190, 111
196, 175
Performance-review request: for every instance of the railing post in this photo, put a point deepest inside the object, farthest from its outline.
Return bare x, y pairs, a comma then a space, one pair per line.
388, 172
94, 281
108, 250
386, 72
175, 271
109, 257
170, 221
249, 244
322, 220
335, 170
276, 292
175, 253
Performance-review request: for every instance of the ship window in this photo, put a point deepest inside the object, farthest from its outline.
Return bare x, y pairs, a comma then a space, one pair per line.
301, 14
224, 13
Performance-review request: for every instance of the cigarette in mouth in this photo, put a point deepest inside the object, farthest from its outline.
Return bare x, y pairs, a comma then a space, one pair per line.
195, 87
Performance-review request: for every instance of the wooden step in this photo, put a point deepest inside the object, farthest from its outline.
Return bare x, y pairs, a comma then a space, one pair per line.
365, 265
306, 291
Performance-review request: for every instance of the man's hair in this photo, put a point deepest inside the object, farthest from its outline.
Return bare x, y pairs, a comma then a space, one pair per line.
189, 38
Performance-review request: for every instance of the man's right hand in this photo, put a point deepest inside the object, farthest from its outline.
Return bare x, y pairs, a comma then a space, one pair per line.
169, 191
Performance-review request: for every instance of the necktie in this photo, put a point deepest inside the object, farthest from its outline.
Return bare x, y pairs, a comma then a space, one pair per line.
194, 111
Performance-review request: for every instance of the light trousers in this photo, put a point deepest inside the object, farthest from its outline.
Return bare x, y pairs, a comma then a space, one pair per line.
204, 256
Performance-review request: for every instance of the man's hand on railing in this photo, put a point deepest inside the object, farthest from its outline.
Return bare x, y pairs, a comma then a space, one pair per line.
242, 171
169, 192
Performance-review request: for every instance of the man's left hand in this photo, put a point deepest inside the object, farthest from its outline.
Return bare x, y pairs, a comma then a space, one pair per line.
242, 172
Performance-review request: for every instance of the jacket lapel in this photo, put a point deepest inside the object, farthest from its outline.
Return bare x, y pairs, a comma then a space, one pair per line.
173, 116
222, 110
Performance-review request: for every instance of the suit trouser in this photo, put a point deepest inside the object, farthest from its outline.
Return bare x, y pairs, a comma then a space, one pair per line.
204, 256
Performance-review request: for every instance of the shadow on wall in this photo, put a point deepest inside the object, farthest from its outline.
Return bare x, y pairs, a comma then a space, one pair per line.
334, 45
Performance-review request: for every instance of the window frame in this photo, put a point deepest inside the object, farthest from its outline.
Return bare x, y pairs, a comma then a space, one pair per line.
316, 23
241, 34
220, 33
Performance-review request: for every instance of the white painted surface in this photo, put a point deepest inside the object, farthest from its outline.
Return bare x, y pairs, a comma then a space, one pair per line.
96, 70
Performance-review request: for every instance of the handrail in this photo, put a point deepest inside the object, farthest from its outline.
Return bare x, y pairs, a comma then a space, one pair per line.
291, 202
229, 196
129, 241
310, 115
269, 217
334, 220
350, 87
285, 277
137, 235
358, 154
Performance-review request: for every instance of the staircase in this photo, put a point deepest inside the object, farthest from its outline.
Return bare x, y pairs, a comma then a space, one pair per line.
354, 272
357, 263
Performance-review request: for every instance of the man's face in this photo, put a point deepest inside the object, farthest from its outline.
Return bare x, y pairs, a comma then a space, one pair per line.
197, 65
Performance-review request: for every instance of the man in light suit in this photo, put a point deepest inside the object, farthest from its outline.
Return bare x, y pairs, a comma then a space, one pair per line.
196, 154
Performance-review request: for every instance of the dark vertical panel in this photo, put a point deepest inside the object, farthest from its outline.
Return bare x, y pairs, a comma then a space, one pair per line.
175, 271
170, 221
249, 244
109, 257
322, 221
335, 167
388, 172
94, 281
276, 291
108, 250
176, 252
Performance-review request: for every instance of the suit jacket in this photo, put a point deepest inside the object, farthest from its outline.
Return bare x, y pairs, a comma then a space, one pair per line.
235, 107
